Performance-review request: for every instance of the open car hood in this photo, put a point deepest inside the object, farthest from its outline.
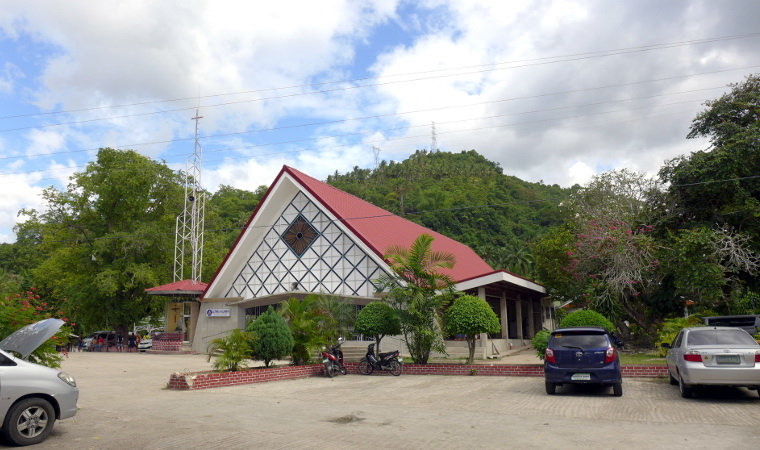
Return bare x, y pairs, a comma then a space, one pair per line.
26, 340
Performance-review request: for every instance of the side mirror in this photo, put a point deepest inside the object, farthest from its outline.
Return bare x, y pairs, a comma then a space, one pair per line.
665, 345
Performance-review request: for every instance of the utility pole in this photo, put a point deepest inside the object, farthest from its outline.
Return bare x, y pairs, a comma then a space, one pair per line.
190, 224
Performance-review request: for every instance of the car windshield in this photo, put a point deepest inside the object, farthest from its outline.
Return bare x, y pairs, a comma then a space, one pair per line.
720, 337
582, 340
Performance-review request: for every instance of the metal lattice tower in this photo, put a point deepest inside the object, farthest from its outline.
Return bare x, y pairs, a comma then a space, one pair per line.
188, 235
433, 138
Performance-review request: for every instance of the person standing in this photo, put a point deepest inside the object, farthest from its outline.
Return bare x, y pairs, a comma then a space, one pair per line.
132, 342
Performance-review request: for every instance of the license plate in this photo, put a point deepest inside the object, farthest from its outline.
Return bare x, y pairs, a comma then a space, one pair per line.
581, 377
400, 359
727, 359
324, 361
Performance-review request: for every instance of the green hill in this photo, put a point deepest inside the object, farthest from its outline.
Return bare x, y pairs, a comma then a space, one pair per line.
466, 197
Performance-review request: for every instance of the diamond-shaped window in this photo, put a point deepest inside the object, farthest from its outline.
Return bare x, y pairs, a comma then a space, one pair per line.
299, 235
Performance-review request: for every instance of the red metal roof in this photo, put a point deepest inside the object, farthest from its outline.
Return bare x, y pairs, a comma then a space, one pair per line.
380, 229
178, 287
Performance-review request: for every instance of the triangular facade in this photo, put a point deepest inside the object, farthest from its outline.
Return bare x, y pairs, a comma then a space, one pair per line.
311, 237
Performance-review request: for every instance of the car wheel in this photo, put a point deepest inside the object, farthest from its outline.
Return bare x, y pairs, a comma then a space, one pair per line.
686, 390
29, 421
617, 389
672, 379
551, 388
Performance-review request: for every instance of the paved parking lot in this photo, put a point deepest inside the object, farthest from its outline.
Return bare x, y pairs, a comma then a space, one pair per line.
123, 405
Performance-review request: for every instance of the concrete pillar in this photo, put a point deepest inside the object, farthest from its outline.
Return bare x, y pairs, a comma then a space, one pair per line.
484, 350
518, 313
504, 318
531, 321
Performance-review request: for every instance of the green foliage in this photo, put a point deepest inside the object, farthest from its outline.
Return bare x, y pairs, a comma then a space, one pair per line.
747, 303
431, 184
18, 309
732, 123
378, 319
230, 352
539, 342
273, 339
419, 292
311, 326
669, 328
586, 318
471, 316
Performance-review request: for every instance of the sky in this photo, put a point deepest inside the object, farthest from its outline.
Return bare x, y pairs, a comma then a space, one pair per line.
554, 91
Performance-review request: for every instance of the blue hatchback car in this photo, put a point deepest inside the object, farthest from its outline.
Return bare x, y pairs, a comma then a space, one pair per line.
582, 355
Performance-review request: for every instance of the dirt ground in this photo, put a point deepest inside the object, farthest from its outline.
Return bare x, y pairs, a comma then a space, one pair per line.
123, 405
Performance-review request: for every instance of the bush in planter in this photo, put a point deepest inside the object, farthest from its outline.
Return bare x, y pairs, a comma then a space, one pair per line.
378, 319
273, 339
586, 318
471, 316
231, 351
540, 341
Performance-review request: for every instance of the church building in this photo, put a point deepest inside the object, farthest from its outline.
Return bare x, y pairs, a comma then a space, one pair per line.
306, 237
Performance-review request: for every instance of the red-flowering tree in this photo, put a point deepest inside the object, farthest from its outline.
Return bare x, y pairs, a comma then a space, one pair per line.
18, 309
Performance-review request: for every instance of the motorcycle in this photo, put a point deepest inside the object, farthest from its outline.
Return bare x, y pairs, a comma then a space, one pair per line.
390, 361
332, 358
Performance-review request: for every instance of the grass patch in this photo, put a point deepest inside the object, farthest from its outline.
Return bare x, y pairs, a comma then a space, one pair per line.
641, 359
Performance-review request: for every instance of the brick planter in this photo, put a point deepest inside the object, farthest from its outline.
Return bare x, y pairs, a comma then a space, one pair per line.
206, 380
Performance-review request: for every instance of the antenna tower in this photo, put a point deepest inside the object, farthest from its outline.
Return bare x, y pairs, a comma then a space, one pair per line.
376, 151
433, 138
188, 236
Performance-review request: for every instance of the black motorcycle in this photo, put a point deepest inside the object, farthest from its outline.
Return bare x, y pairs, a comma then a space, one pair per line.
390, 361
333, 360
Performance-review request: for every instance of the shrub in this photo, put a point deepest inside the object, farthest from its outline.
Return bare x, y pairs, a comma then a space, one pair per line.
539, 342
230, 351
378, 319
669, 328
586, 318
273, 338
471, 316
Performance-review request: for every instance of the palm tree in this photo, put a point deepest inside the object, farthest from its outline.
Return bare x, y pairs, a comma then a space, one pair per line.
419, 291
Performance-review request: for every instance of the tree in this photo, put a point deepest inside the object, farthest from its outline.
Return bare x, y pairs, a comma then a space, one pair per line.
273, 339
471, 316
106, 238
419, 292
378, 319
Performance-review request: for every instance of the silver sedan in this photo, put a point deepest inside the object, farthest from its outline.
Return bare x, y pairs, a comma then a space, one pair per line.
724, 356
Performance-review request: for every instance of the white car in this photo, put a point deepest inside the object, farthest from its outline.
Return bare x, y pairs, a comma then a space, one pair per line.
725, 356
32, 396
145, 344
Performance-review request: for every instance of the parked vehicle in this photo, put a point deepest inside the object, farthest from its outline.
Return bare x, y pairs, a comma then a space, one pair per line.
726, 356
90, 344
32, 396
390, 361
332, 358
145, 344
748, 322
582, 355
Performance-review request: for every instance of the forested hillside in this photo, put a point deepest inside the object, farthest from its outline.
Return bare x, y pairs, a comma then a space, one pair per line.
466, 197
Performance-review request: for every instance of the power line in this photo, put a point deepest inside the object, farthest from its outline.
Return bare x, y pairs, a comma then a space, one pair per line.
379, 216
387, 139
490, 68
237, 133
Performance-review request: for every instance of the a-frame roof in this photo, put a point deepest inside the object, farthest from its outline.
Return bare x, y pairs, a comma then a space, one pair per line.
377, 228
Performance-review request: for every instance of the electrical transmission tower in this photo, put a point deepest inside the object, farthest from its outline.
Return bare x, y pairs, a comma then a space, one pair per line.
433, 138
188, 235
376, 150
